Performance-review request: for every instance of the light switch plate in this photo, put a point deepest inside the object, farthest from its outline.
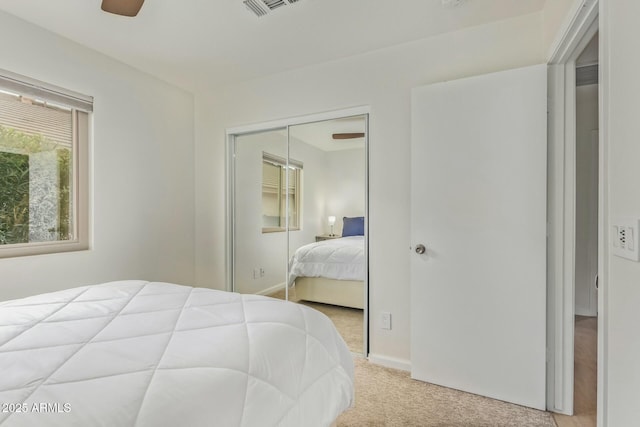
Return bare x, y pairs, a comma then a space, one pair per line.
624, 238
385, 320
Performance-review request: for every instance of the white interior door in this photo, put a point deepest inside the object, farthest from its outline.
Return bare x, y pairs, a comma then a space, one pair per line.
478, 303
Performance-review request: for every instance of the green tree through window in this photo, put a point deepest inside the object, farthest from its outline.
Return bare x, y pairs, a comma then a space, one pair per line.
19, 187
14, 197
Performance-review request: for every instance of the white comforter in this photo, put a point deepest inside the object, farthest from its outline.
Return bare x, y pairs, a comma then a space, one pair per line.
136, 353
340, 259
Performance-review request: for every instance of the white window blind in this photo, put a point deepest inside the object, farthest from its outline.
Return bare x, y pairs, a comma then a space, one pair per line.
281, 161
276, 171
12, 82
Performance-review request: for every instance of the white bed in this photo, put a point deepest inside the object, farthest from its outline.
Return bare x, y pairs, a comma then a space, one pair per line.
330, 271
135, 353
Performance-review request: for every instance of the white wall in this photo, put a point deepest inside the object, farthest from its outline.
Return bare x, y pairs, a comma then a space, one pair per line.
345, 186
554, 14
619, 34
314, 193
383, 81
586, 256
143, 196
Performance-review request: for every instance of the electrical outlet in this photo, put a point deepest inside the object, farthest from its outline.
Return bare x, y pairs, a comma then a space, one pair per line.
624, 236
261, 272
256, 273
385, 320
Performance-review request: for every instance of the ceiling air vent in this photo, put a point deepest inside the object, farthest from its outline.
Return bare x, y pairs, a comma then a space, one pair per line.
273, 4
263, 7
450, 4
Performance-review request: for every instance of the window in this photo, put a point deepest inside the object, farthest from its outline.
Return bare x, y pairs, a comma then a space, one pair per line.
276, 194
43, 168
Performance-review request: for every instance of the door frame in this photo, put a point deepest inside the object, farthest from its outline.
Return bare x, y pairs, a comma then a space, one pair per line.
231, 134
581, 24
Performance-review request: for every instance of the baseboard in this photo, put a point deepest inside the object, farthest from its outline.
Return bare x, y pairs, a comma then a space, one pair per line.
390, 362
561, 412
272, 289
585, 312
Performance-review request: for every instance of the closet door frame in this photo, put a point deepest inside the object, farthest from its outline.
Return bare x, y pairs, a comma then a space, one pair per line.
233, 132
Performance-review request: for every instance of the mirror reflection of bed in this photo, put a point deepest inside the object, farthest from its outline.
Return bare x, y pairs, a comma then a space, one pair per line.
329, 275
296, 195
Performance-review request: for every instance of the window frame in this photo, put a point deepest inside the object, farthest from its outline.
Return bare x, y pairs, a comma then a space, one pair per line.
285, 164
81, 108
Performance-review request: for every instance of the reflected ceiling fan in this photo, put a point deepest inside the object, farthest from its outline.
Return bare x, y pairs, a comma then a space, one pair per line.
122, 7
351, 135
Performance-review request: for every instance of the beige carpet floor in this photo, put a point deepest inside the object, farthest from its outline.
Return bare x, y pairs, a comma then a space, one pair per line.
348, 321
387, 397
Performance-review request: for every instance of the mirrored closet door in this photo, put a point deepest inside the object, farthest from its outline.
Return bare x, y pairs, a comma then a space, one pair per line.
299, 218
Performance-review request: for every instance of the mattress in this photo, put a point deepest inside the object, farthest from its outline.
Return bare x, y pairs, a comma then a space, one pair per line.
136, 353
339, 259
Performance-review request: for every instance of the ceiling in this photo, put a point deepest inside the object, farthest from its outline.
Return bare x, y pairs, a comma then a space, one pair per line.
589, 55
192, 43
319, 134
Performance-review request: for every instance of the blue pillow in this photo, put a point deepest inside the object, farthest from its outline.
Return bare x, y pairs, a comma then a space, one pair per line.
353, 226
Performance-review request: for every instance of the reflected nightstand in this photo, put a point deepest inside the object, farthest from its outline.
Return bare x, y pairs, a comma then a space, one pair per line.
326, 237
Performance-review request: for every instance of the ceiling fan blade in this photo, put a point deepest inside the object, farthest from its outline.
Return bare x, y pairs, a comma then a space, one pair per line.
348, 135
122, 7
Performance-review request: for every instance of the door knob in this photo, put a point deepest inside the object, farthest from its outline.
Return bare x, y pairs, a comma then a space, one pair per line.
420, 249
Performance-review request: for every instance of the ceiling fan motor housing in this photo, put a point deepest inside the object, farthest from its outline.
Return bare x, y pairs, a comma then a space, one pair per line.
122, 7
